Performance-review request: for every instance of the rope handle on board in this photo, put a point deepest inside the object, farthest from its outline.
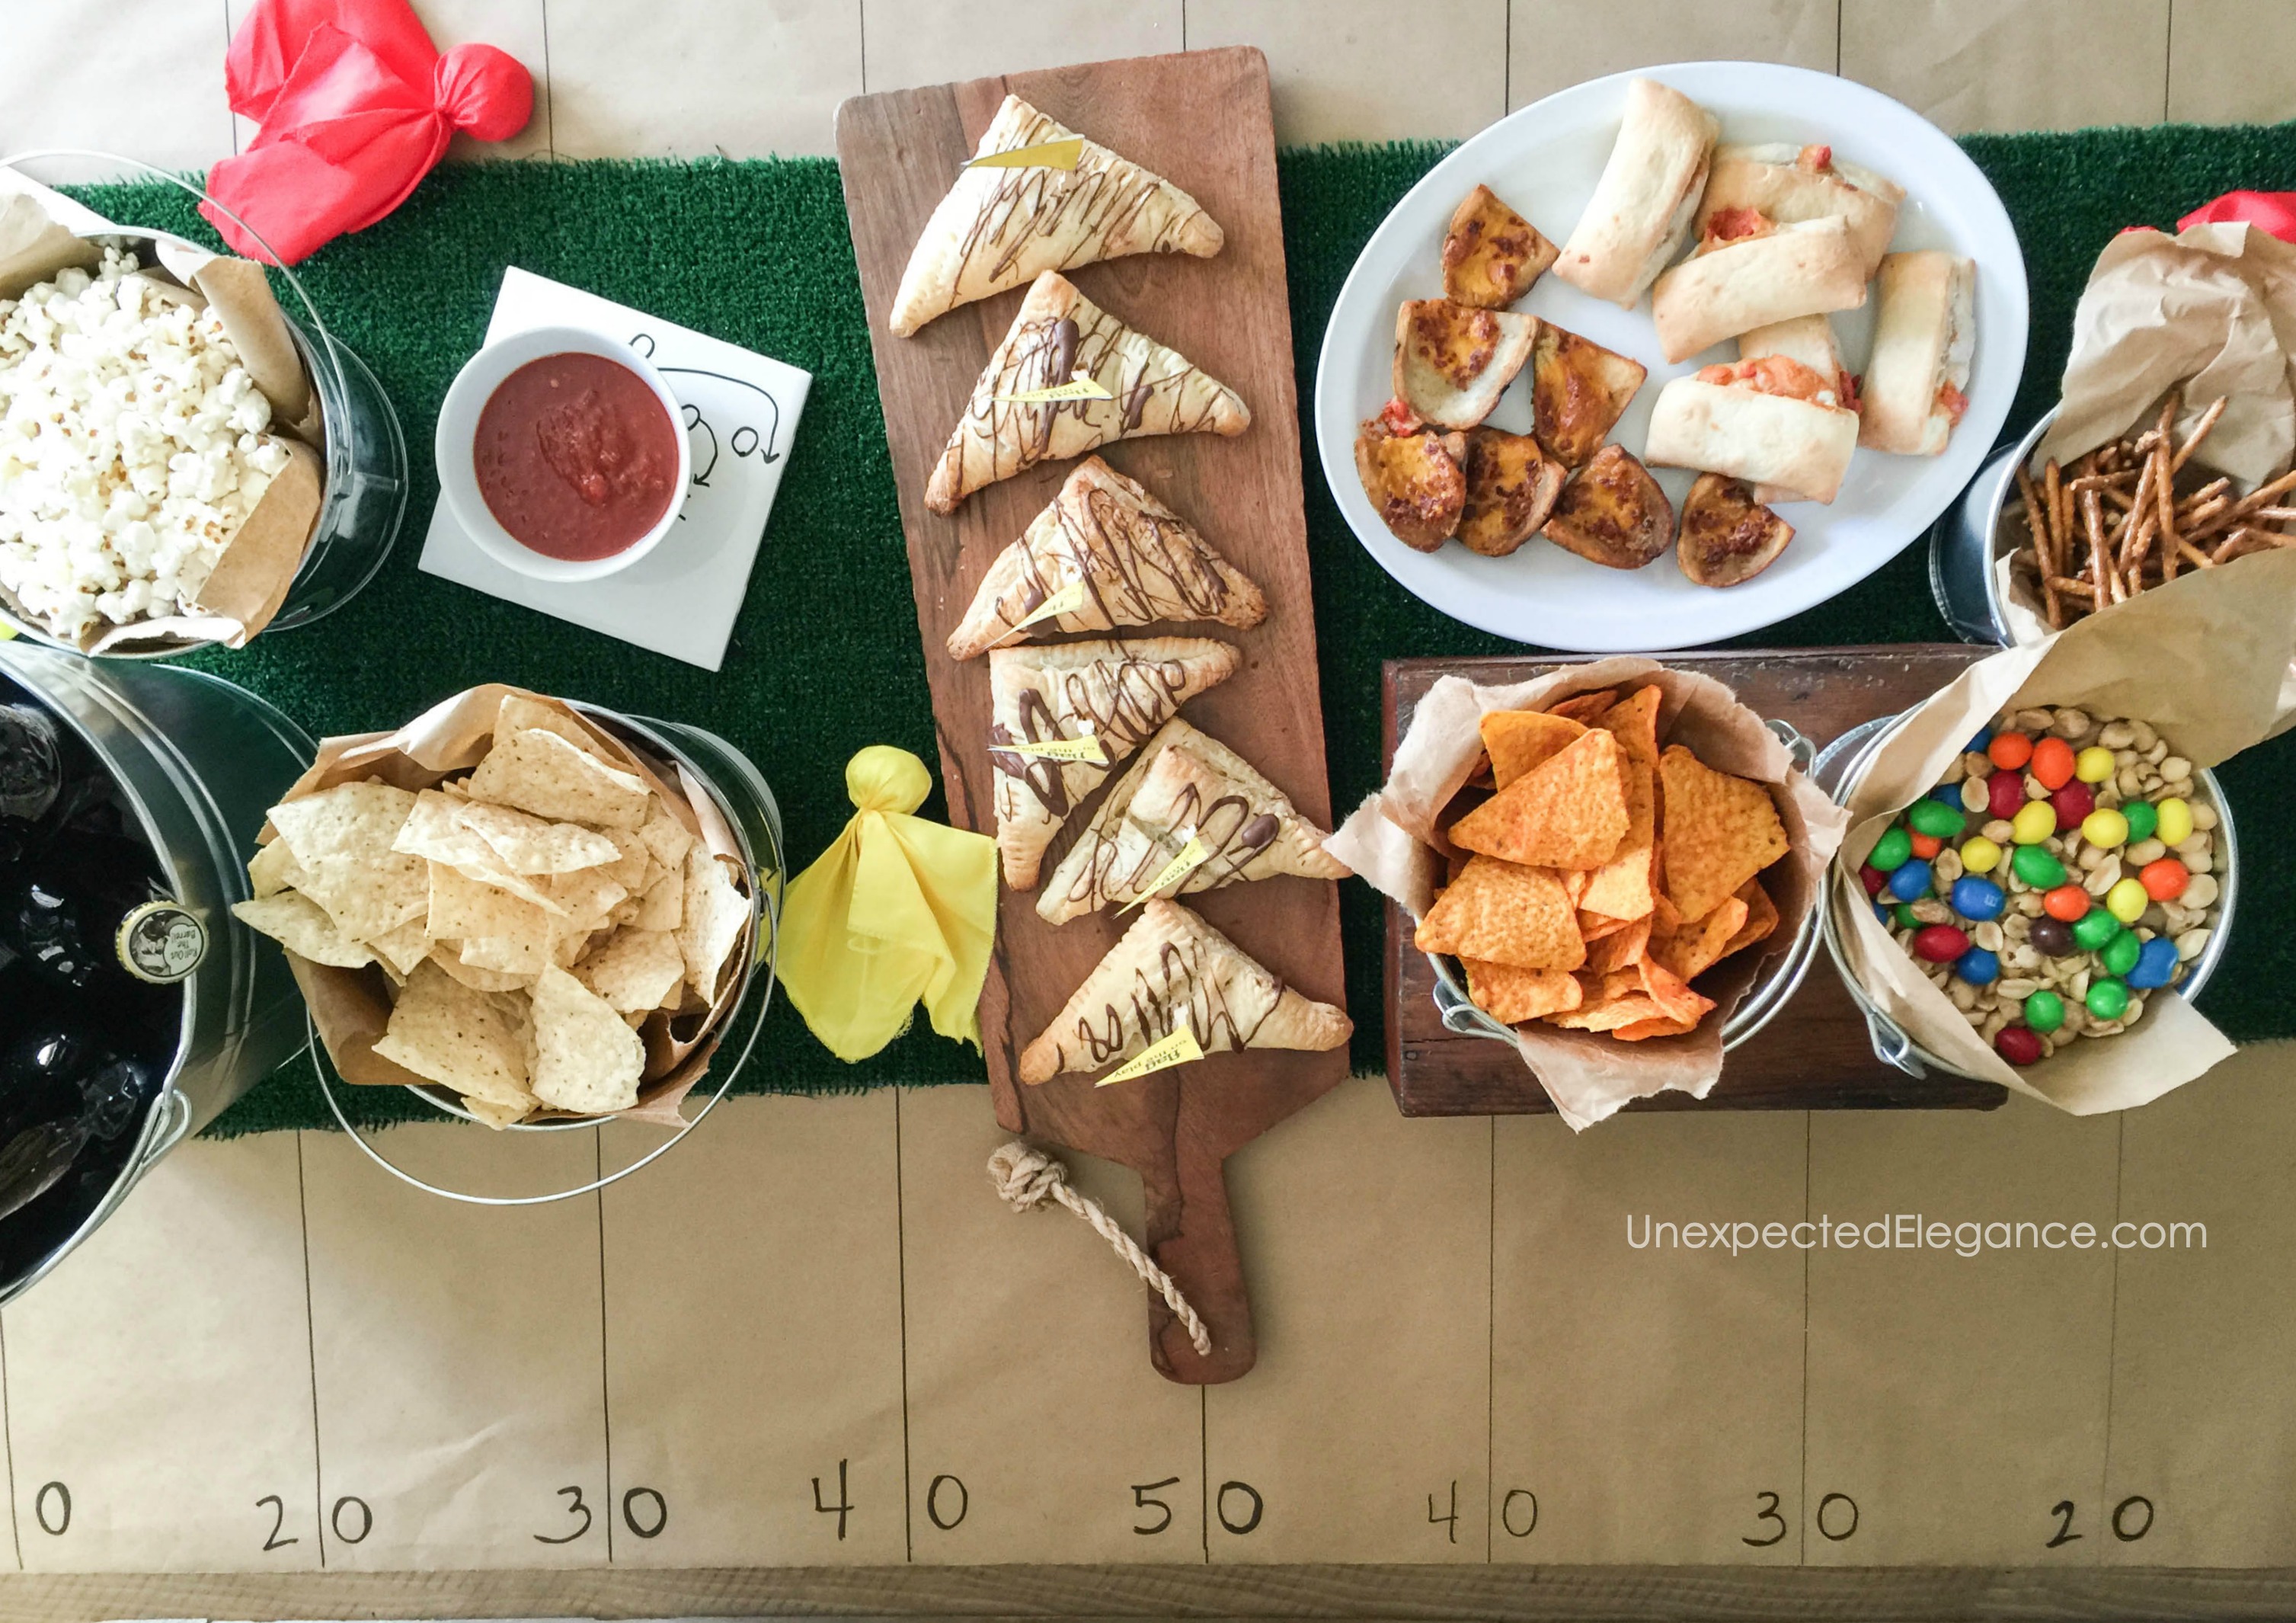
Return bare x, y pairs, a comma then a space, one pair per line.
1027, 1177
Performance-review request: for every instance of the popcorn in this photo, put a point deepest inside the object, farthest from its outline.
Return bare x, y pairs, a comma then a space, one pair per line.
133, 446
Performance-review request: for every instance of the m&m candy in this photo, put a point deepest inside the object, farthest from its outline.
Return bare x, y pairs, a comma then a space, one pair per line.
2051, 762
2069, 903
2142, 818
1937, 819
2092, 931
2035, 821
2035, 865
1947, 794
2105, 827
2044, 1010
1926, 846
1979, 743
1882, 913
2093, 764
1910, 881
1940, 944
1891, 849
2121, 953
1978, 967
2009, 750
2018, 1045
2108, 999
2176, 824
2004, 792
2051, 938
2156, 964
1977, 899
1873, 878
2073, 804
1980, 855
1904, 914
2164, 880
2127, 900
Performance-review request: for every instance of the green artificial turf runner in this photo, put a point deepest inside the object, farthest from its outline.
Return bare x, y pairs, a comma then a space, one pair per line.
825, 656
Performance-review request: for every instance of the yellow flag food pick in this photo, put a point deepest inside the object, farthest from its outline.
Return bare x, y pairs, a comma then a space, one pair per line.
898, 910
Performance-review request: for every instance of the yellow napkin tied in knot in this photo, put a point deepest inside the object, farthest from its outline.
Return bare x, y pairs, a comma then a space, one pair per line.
898, 910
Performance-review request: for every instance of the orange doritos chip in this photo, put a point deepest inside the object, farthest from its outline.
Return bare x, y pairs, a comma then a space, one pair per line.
1665, 918
1621, 887
1517, 740
1585, 708
1692, 950
1574, 885
1511, 995
1609, 1015
1675, 1000
1568, 812
1720, 831
1620, 949
1633, 722
1643, 1030
1479, 777
1593, 927
1505, 913
1761, 917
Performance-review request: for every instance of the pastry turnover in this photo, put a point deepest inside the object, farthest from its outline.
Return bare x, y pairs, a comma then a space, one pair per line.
1117, 692
1058, 336
999, 228
1172, 969
1185, 785
1136, 560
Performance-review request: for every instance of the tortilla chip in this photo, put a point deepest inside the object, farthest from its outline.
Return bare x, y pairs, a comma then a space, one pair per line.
1621, 948
451, 1033
274, 869
715, 913
1761, 917
1596, 927
585, 897
448, 956
1512, 995
404, 947
543, 773
586, 1060
1585, 708
302, 927
1633, 722
468, 909
518, 714
1568, 811
667, 838
1675, 1000
516, 956
1608, 1014
342, 838
1720, 831
1517, 740
1506, 914
1693, 949
1641, 1031
1479, 775
527, 845
633, 866
632, 969
1622, 887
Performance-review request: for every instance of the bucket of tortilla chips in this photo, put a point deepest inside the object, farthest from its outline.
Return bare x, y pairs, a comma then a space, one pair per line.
532, 914
1613, 868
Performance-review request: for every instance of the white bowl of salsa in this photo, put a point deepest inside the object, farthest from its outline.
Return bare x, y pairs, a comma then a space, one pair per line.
562, 454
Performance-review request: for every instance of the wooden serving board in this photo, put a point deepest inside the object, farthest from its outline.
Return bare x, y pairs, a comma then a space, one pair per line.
1201, 120
1814, 1054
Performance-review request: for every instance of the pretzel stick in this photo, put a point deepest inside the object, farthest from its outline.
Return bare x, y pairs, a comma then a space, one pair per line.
2194, 555
2138, 518
2052, 482
2044, 553
2164, 498
2100, 562
2200, 432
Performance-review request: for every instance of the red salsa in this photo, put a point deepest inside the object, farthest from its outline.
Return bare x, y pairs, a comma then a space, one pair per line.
575, 456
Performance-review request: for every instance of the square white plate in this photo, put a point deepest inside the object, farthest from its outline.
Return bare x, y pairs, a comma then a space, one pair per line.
742, 411
1543, 161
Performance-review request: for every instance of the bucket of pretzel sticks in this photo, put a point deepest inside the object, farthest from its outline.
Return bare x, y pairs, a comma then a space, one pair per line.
2034, 545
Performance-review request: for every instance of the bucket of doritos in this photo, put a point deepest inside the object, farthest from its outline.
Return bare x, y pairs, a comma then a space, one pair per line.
1612, 868
525, 912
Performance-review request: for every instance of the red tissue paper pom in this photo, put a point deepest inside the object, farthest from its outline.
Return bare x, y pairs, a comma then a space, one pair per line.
355, 105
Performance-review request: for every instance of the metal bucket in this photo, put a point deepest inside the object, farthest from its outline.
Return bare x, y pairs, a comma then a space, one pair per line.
200, 762
739, 791
1842, 765
1967, 543
365, 452
1755, 1010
